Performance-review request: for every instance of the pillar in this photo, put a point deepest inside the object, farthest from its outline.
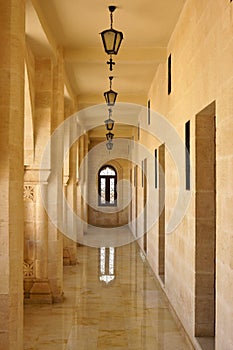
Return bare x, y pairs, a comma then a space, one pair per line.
12, 35
37, 235
41, 291
69, 245
55, 238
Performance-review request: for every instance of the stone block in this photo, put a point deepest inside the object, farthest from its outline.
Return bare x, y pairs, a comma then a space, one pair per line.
4, 312
4, 339
5, 274
40, 292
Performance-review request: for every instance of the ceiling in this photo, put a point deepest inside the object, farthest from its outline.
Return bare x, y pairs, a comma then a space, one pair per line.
75, 25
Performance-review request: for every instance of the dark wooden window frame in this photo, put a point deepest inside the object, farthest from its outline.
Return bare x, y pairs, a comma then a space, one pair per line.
187, 156
169, 73
107, 179
156, 168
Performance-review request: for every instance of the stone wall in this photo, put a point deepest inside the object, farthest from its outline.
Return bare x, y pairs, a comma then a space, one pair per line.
108, 216
201, 49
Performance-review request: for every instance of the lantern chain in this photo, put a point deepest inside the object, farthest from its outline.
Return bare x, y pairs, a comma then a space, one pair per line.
111, 17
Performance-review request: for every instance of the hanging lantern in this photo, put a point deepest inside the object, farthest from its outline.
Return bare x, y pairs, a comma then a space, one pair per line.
110, 95
111, 38
109, 145
109, 123
109, 136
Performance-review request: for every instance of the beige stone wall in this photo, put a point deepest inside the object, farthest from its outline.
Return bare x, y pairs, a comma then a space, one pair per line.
201, 47
109, 216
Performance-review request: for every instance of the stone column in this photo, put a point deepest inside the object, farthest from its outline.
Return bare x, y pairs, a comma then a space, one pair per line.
55, 256
79, 184
66, 177
41, 235
81, 187
81, 173
29, 238
85, 182
40, 291
12, 35
70, 246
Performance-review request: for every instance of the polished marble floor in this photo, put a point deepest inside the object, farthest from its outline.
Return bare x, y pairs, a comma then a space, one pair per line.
112, 301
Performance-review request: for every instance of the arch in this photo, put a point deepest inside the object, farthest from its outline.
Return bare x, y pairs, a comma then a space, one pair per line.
107, 186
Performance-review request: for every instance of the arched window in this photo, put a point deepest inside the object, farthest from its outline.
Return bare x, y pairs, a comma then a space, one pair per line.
107, 182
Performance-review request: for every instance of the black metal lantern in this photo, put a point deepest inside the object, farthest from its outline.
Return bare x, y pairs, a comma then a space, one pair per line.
109, 123
109, 145
109, 136
111, 38
110, 95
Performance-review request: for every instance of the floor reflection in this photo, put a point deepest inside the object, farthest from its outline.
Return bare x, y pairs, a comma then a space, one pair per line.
109, 304
107, 261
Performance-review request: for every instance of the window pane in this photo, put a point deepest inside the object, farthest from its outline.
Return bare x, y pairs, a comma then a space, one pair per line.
107, 180
112, 186
102, 260
111, 261
102, 190
107, 171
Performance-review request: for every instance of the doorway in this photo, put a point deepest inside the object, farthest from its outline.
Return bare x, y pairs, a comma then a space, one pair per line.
145, 204
161, 228
205, 239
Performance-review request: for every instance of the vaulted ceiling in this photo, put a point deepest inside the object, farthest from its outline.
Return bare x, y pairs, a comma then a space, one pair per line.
75, 25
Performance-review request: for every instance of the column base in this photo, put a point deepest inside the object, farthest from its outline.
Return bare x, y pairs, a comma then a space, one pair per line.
70, 256
59, 298
69, 262
40, 293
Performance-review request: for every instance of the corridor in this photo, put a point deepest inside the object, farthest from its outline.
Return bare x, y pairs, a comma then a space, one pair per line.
111, 301
100, 136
